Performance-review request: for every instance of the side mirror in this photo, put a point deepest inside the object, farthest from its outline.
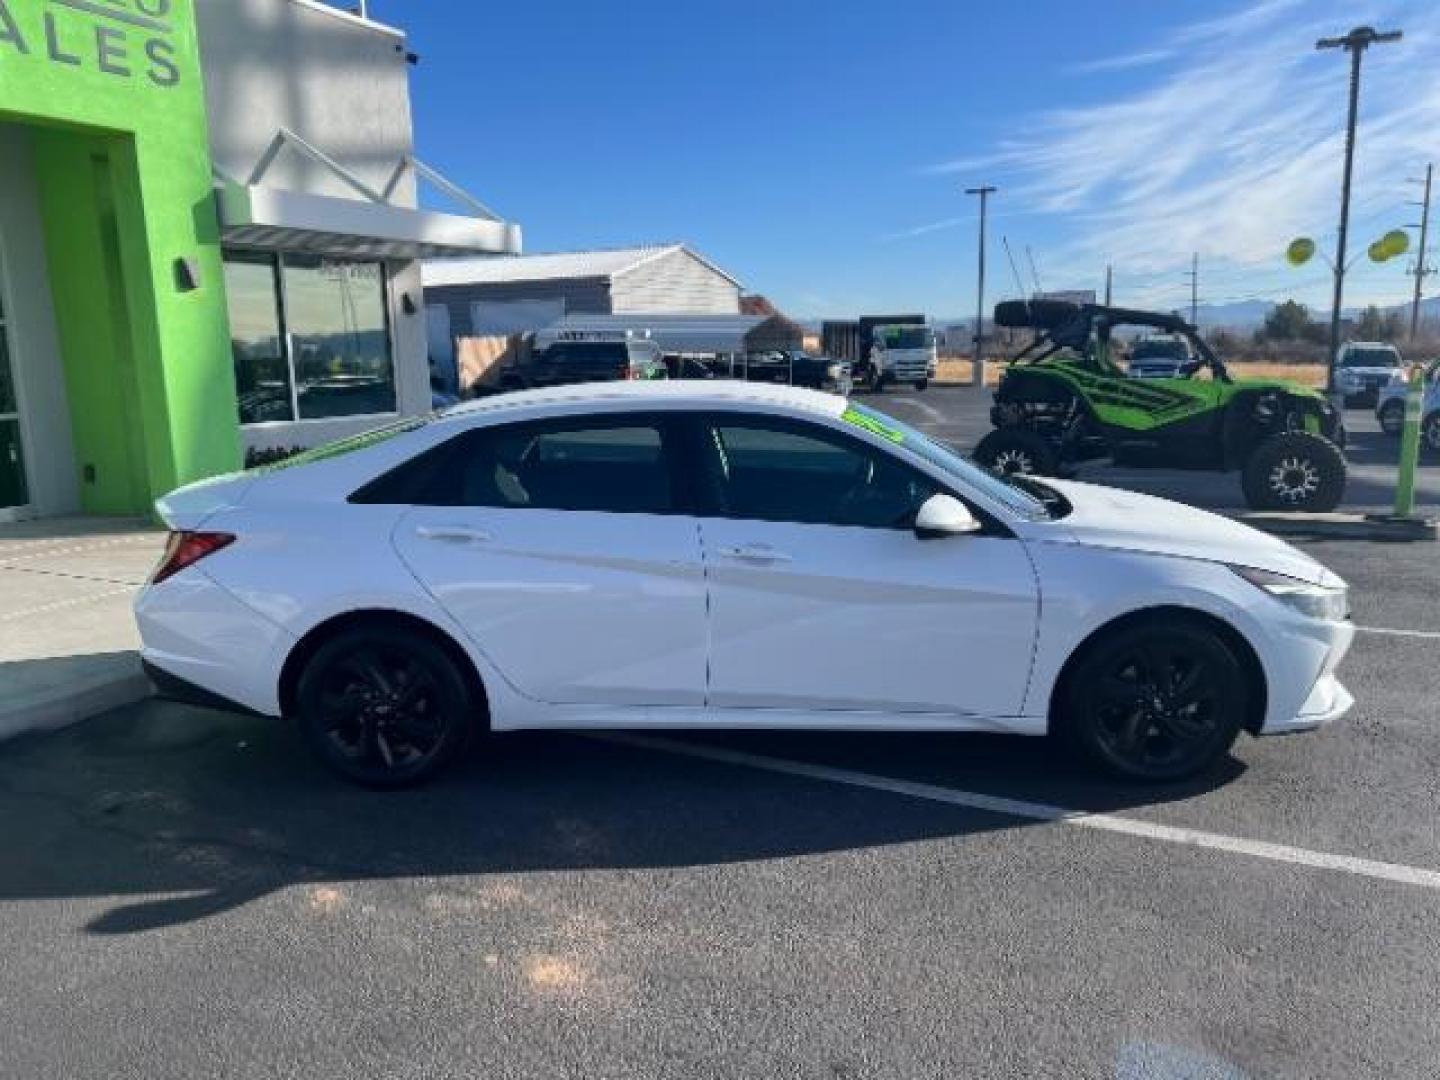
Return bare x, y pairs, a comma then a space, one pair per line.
944, 515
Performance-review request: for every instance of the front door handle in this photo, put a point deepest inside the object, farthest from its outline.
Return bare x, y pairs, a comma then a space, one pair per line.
453, 534
756, 553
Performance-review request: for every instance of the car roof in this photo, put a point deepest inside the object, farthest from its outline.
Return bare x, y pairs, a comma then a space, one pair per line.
623, 395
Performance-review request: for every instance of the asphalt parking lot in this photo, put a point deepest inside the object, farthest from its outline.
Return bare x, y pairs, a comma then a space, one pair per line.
184, 893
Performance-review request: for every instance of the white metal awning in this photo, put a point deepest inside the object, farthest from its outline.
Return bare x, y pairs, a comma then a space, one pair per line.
253, 214
274, 218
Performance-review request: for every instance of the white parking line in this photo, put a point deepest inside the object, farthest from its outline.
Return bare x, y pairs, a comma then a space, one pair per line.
1319, 860
1429, 635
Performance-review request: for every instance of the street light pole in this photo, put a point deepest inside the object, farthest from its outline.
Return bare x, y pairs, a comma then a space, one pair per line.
1420, 270
984, 191
1355, 43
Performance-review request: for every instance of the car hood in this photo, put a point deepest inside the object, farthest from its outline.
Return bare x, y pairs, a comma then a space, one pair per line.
1388, 372
1108, 517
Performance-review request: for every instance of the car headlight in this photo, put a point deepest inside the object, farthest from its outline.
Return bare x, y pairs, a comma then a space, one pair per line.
1316, 601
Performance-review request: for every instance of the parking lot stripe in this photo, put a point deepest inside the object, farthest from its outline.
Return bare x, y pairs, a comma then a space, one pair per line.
1427, 634
995, 804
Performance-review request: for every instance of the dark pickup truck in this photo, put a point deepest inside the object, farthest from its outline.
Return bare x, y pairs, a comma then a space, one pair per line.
798, 368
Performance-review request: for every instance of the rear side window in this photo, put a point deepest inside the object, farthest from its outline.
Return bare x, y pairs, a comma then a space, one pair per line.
615, 467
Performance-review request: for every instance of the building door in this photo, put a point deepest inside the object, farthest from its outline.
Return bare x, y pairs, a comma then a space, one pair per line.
14, 492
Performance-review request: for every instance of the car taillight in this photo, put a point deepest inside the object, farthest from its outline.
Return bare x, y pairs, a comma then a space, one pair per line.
184, 549
633, 373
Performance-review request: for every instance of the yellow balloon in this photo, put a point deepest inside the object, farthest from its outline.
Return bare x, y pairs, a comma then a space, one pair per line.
1396, 241
1379, 252
1300, 251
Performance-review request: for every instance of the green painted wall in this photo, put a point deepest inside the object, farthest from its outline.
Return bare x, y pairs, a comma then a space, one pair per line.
117, 109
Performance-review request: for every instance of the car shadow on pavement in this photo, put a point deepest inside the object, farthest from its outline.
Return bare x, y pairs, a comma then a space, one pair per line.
184, 813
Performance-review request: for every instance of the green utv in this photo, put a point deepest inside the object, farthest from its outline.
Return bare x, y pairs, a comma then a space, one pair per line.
1064, 401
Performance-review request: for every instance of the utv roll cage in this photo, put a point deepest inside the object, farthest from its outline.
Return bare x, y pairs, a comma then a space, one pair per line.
1060, 324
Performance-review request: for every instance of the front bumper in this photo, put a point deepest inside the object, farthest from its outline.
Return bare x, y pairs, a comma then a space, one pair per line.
1317, 649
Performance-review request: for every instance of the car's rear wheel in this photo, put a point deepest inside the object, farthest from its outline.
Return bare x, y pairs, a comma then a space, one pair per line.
1294, 470
384, 707
1154, 701
1017, 450
1392, 417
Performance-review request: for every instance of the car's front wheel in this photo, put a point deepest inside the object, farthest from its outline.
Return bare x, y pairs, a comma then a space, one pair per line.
1294, 470
384, 707
1154, 701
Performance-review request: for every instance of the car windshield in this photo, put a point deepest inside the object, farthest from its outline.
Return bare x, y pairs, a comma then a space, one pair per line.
1374, 358
905, 337
1160, 350
1011, 495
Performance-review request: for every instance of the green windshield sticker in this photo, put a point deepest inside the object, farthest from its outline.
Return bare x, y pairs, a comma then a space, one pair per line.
872, 424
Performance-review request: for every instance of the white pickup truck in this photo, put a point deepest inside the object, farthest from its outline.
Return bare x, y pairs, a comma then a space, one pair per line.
1364, 368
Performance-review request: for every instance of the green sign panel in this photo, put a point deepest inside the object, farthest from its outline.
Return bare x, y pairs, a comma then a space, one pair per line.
111, 95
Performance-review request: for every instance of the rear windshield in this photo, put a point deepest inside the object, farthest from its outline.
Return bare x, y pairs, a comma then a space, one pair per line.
1384, 358
349, 445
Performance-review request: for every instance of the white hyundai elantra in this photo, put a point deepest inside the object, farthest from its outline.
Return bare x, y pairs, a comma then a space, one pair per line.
723, 555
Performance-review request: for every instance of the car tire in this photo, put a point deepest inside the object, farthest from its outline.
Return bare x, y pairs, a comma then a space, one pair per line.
1155, 700
1294, 470
1430, 432
1392, 417
384, 707
922, 384
1017, 450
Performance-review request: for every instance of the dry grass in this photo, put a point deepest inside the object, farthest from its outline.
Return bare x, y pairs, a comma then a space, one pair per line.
957, 371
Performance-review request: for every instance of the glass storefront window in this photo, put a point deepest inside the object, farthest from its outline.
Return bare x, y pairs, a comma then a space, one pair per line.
262, 373
311, 337
339, 336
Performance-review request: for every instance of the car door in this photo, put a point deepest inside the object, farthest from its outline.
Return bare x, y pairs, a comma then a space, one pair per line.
822, 597
562, 550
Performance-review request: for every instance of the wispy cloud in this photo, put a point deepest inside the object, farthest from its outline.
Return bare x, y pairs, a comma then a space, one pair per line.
1231, 151
1122, 63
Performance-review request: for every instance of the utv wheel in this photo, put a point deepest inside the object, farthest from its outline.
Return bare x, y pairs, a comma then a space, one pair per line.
1019, 450
1294, 470
1392, 417
1154, 701
384, 708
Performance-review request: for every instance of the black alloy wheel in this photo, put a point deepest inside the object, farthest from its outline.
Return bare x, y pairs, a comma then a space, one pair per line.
384, 707
1156, 701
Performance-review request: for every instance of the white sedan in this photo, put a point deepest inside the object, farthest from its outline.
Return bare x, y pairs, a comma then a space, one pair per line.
723, 555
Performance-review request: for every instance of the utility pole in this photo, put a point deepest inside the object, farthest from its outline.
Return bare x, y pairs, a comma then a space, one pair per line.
1355, 43
1109, 283
984, 191
1194, 276
1420, 268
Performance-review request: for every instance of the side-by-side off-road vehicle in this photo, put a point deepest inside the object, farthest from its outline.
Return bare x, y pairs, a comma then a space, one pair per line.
1064, 401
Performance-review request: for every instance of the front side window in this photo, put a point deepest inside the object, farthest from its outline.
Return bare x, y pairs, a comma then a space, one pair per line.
795, 472
310, 337
619, 467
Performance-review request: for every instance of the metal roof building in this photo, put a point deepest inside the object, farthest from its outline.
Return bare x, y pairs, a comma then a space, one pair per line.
507, 295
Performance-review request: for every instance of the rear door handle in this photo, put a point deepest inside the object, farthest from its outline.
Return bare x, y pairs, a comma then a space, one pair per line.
756, 553
453, 534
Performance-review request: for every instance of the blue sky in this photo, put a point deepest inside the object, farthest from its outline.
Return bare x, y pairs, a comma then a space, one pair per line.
818, 150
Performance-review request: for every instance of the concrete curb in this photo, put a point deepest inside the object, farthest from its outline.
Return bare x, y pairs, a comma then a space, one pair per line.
1339, 526
56, 707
